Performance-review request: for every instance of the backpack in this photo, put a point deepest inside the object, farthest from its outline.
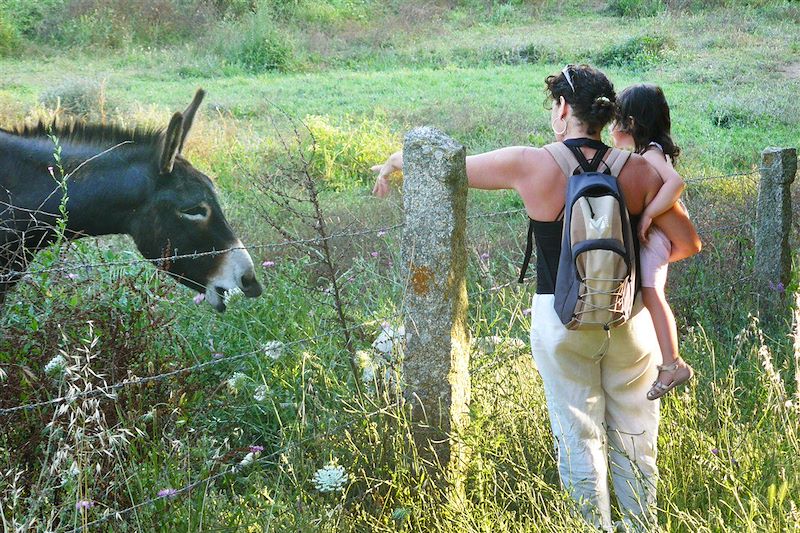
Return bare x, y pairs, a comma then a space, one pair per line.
596, 277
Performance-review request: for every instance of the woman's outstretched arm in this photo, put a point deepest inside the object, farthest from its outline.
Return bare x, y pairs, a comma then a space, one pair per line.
498, 169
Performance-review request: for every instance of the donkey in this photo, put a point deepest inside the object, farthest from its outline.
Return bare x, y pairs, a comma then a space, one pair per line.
118, 180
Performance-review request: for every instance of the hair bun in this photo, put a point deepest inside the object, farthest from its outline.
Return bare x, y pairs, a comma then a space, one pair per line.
602, 101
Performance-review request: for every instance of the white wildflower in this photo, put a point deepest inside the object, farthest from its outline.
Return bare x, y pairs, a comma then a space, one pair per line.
237, 382
56, 367
388, 338
260, 393
330, 478
248, 459
366, 363
273, 349
231, 295
368, 374
3, 375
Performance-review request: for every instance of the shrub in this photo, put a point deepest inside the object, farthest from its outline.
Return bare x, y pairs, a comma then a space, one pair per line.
635, 8
255, 44
115, 23
343, 154
26, 15
81, 98
262, 53
637, 52
9, 37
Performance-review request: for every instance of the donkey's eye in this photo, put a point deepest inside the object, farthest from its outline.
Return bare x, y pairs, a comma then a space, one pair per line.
197, 212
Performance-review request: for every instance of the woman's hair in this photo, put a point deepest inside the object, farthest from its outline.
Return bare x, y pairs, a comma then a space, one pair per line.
643, 112
591, 94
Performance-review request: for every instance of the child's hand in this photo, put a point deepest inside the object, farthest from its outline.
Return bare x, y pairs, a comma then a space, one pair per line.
644, 226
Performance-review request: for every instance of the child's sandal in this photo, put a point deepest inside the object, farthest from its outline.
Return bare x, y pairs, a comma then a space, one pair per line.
681, 373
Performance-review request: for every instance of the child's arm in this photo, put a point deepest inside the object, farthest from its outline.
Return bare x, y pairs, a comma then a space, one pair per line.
668, 194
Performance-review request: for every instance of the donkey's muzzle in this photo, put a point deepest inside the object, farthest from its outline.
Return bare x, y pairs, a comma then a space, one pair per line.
250, 285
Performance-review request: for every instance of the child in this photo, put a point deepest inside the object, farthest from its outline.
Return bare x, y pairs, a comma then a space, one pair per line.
643, 124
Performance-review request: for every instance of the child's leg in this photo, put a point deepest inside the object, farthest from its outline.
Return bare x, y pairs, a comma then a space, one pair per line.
664, 322
654, 260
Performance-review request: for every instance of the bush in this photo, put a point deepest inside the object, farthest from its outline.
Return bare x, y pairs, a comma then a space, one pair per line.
262, 53
343, 155
9, 37
637, 52
255, 44
115, 23
635, 8
26, 16
80, 98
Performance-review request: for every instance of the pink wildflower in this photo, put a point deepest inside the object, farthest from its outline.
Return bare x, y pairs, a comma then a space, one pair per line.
199, 298
256, 449
167, 493
267, 264
84, 504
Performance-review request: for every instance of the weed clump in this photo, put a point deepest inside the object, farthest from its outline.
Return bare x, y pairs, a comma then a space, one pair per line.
639, 52
635, 8
76, 97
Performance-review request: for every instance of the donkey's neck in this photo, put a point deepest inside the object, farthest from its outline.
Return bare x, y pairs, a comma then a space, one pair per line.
103, 187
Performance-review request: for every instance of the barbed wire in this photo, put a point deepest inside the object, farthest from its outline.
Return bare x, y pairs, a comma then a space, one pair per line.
700, 179
231, 469
9, 275
379, 231
108, 390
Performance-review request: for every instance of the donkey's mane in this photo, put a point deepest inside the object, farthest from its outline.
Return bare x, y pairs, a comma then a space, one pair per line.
79, 132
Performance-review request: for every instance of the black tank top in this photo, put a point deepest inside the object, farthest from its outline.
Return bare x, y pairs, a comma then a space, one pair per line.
547, 236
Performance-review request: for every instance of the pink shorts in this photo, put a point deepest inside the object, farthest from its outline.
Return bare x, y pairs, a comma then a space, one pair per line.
654, 259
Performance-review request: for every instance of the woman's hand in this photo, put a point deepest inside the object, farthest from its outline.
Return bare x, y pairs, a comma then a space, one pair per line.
393, 164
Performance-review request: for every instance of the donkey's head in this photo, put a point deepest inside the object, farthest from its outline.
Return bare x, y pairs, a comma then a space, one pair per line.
181, 216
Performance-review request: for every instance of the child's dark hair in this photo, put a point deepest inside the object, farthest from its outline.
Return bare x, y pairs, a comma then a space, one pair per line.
591, 95
643, 112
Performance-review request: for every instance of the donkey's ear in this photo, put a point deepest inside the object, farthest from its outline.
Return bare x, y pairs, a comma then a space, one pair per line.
188, 116
172, 141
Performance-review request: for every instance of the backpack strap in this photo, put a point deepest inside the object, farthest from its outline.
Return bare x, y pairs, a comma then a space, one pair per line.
616, 160
528, 253
563, 156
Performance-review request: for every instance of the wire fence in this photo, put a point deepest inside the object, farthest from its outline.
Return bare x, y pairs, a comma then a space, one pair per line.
10, 274
229, 469
109, 391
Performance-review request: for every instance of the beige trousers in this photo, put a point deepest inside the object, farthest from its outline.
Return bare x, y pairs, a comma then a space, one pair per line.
599, 412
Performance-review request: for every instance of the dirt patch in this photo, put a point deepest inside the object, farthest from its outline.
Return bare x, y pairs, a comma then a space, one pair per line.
792, 70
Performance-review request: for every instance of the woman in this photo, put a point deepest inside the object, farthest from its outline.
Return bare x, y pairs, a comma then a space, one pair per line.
595, 401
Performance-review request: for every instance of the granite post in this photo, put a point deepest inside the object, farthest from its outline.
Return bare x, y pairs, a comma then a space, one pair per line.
435, 367
774, 222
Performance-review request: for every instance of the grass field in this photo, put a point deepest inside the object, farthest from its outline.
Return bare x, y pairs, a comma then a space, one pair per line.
359, 73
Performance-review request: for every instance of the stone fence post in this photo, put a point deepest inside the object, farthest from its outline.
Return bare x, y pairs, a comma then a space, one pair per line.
774, 214
435, 366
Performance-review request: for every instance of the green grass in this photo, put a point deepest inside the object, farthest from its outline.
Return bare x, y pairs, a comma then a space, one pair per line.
362, 74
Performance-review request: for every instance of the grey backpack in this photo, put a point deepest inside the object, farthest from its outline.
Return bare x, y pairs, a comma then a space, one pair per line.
596, 278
